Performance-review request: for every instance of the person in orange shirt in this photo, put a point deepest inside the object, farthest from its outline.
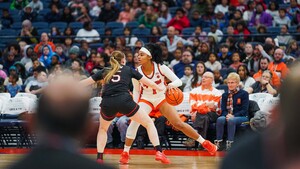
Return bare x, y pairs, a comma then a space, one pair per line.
44, 41
278, 66
263, 64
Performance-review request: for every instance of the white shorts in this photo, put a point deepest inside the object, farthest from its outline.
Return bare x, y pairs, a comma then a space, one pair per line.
154, 102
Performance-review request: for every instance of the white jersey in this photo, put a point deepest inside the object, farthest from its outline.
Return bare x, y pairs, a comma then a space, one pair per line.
158, 77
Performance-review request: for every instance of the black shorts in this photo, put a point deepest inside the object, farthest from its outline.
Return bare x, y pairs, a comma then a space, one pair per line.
122, 103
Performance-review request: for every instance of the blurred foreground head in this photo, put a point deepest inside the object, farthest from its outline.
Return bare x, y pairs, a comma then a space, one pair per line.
63, 108
290, 110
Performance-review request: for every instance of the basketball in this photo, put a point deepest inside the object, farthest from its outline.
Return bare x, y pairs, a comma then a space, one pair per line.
174, 96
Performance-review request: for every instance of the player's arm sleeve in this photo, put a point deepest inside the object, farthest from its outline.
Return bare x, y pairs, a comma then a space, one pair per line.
92, 79
136, 90
175, 81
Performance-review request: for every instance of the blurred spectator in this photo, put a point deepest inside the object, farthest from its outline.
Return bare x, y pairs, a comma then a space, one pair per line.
36, 5
186, 59
55, 35
278, 66
241, 5
6, 19
68, 43
263, 65
171, 39
242, 30
216, 33
177, 57
21, 71
273, 9
205, 104
28, 33
44, 41
264, 85
68, 32
213, 46
261, 37
208, 17
67, 15
9, 61
13, 88
236, 60
135, 8
22, 45
260, 17
218, 78
148, 19
187, 7
84, 15
196, 80
293, 10
76, 6
282, 19
188, 74
201, 6
293, 49
46, 56
60, 52
13, 71
199, 34
284, 37
156, 33
78, 71
125, 16
28, 14
18, 4
108, 13
195, 19
35, 86
107, 38
54, 15
222, 8
180, 21
164, 16
204, 52
85, 47
130, 39
73, 54
121, 122
213, 63
224, 55
237, 16
96, 10
55, 60
58, 3
247, 15
34, 64
246, 79
87, 33
3, 75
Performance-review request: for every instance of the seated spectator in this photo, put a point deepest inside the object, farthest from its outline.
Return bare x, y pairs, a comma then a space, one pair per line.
222, 8
73, 54
13, 88
67, 15
188, 74
55, 35
13, 71
46, 56
247, 15
263, 65
78, 71
216, 33
205, 104
60, 53
177, 57
282, 19
54, 15
224, 56
293, 49
21, 70
242, 30
261, 38
58, 3
164, 16
121, 122
9, 61
213, 63
148, 19
96, 10
88, 34
28, 52
44, 41
263, 86
108, 13
209, 17
236, 60
125, 16
246, 79
260, 17
186, 59
284, 37
156, 33
234, 106
28, 33
36, 5
204, 52
35, 73
196, 80
278, 66
273, 9
6, 19
36, 86
218, 78
171, 39
84, 15
237, 17
195, 19
199, 34
130, 39
180, 21
18, 4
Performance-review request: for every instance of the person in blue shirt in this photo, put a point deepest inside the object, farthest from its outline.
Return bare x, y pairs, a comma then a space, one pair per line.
13, 88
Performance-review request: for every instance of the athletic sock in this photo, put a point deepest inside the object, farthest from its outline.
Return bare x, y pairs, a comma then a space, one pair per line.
200, 139
126, 148
100, 156
158, 148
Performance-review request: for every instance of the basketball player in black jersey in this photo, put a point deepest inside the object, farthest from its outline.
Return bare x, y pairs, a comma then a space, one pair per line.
116, 98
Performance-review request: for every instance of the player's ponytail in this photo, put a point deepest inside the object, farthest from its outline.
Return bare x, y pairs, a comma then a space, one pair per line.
114, 61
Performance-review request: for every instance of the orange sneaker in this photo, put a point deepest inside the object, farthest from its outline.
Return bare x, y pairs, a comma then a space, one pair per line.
210, 147
160, 156
124, 158
100, 161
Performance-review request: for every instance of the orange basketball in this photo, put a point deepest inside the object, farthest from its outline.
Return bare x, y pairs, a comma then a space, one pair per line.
174, 96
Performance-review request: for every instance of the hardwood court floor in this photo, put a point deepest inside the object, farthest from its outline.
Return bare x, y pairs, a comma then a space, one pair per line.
140, 159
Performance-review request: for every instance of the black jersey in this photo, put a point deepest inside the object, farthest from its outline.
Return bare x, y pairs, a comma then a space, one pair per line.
119, 82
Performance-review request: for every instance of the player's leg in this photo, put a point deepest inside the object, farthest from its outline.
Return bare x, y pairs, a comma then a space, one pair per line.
102, 138
171, 114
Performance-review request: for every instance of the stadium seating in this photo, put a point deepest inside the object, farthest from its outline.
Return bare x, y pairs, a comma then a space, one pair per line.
98, 25
59, 25
133, 24
40, 25
142, 33
76, 25
117, 32
114, 25
188, 31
